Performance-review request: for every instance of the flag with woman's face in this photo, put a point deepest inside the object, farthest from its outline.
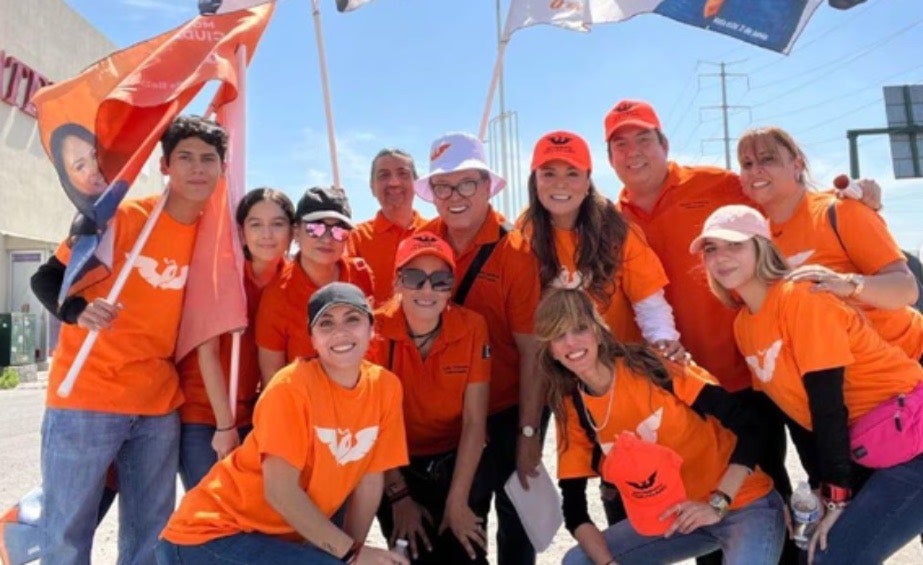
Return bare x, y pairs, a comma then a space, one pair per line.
100, 127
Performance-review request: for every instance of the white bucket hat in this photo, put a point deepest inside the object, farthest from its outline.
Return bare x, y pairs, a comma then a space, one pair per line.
456, 152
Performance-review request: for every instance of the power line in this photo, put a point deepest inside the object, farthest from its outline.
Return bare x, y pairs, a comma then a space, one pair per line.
855, 57
840, 97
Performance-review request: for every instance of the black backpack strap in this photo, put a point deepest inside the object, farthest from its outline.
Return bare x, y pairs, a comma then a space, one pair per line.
461, 292
586, 422
831, 217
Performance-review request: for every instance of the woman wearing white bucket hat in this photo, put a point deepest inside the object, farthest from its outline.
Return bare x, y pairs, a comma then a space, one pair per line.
498, 279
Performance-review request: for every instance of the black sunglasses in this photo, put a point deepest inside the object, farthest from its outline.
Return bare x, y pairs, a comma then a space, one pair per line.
440, 281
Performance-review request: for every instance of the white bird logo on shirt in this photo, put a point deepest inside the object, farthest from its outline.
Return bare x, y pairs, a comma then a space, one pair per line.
764, 370
799, 259
647, 429
172, 277
567, 279
345, 446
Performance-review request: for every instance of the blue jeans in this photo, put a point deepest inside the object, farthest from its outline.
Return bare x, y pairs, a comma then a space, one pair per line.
196, 456
885, 515
77, 448
243, 549
751, 535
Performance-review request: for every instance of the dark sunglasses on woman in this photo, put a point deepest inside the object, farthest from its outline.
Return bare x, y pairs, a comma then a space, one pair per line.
317, 230
413, 279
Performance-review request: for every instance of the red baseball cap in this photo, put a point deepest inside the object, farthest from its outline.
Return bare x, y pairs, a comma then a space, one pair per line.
631, 113
423, 243
648, 478
562, 146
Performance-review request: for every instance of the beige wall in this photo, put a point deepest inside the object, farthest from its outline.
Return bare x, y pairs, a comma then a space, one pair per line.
52, 39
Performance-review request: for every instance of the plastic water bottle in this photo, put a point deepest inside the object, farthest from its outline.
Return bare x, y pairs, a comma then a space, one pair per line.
805, 514
402, 548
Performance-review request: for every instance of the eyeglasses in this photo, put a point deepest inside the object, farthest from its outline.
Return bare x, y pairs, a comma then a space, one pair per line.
440, 281
318, 229
466, 188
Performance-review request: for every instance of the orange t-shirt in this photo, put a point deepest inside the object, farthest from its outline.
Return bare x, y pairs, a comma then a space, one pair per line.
434, 388
797, 331
197, 409
376, 241
282, 318
334, 436
808, 238
506, 292
130, 369
688, 196
657, 416
639, 276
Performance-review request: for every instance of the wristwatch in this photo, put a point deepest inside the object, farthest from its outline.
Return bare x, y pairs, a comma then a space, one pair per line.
858, 282
527, 431
720, 502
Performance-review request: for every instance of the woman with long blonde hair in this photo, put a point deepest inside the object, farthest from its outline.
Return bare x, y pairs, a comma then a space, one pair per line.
600, 389
825, 366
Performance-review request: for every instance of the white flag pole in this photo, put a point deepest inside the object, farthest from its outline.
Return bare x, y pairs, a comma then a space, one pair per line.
67, 384
504, 39
237, 114
328, 110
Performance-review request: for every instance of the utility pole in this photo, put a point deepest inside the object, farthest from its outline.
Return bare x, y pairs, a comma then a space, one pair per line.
724, 107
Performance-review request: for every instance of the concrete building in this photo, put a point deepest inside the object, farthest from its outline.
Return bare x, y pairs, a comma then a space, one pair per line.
41, 41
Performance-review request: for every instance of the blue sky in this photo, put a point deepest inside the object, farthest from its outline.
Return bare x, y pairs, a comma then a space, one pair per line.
402, 72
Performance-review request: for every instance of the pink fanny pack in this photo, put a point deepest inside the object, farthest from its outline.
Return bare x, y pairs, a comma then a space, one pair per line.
891, 433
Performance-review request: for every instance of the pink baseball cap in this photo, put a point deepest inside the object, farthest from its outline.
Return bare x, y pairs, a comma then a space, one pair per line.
732, 223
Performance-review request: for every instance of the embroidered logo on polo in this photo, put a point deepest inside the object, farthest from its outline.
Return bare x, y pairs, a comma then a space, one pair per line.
763, 363
345, 446
171, 277
799, 259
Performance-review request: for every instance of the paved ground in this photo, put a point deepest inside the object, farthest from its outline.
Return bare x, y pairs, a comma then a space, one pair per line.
20, 421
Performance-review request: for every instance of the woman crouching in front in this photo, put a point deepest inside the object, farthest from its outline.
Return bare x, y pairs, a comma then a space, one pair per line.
678, 448
324, 432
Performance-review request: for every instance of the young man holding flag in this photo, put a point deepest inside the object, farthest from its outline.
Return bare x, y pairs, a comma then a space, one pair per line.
123, 408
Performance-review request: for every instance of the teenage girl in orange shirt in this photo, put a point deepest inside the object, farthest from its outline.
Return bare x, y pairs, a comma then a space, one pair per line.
210, 429
825, 366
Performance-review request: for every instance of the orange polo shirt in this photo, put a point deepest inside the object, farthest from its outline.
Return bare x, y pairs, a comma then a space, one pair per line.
808, 238
434, 388
640, 275
334, 436
506, 293
282, 318
797, 331
130, 369
688, 196
658, 416
376, 241
198, 409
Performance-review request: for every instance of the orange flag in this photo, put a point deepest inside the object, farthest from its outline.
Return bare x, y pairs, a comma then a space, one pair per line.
107, 120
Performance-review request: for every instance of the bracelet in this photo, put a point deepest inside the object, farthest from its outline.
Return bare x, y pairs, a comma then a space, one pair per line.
352, 553
227, 429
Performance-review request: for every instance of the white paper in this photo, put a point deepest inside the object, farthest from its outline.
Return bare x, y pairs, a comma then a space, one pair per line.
539, 508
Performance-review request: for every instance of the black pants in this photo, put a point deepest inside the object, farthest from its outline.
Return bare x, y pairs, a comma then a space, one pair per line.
428, 480
497, 464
